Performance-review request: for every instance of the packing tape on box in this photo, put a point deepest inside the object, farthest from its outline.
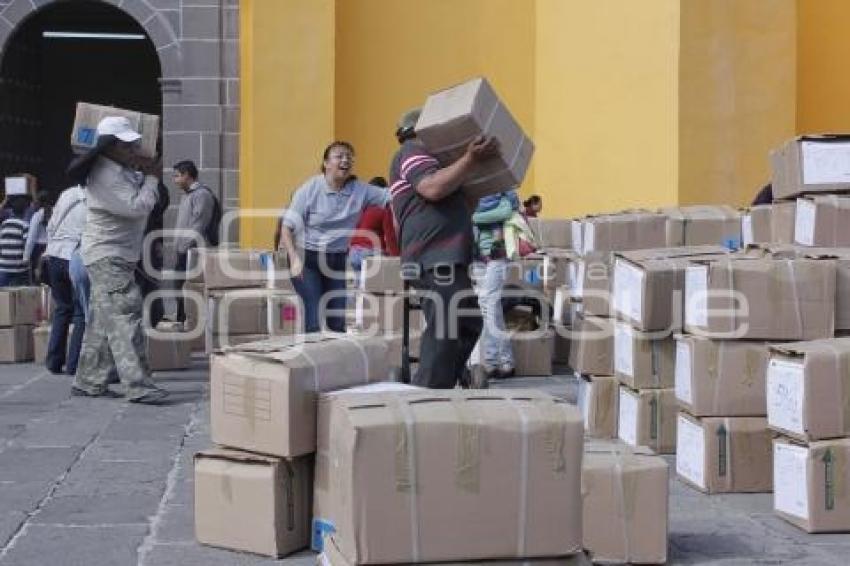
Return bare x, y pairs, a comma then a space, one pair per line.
725, 456
523, 141
716, 372
797, 308
654, 362
628, 510
467, 141
522, 514
655, 421
468, 457
841, 360
405, 466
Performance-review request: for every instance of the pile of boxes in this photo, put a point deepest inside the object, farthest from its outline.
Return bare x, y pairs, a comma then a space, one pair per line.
19, 313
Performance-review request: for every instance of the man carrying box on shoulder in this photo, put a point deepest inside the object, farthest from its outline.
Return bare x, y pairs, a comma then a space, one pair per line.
434, 220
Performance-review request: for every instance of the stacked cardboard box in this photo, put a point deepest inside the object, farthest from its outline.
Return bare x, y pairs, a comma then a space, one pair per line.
769, 223
552, 232
807, 403
822, 220
716, 225
19, 308
40, 339
811, 164
263, 400
619, 232
169, 348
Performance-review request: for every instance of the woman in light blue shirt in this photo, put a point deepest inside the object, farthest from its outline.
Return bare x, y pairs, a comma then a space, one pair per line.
315, 232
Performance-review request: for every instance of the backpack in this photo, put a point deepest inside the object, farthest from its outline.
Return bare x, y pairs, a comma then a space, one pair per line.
212, 234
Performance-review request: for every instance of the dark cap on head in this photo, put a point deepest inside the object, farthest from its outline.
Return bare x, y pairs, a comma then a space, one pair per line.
407, 124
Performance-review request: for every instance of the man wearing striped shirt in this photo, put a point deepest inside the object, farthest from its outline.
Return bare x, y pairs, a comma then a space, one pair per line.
14, 267
434, 219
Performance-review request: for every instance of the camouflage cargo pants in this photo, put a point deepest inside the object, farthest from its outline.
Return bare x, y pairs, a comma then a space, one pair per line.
114, 336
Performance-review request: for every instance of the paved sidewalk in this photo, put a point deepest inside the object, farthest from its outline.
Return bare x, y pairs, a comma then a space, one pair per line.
89, 482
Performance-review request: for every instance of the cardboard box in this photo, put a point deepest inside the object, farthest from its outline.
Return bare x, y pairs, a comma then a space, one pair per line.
619, 232
598, 396
263, 394
452, 118
561, 348
84, 132
223, 268
254, 311
17, 185
716, 225
624, 496
19, 305
538, 271
716, 378
533, 352
647, 417
552, 232
807, 389
382, 314
842, 284
761, 299
590, 282
40, 338
381, 274
592, 348
724, 454
648, 285
16, 344
822, 220
811, 164
769, 223
393, 342
168, 350
253, 503
389, 465
809, 484
643, 360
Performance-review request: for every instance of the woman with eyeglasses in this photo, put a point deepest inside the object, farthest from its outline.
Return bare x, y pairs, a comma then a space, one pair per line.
315, 232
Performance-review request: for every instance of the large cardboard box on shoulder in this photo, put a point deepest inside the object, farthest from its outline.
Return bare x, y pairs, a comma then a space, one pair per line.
761, 299
592, 347
822, 220
253, 503
452, 118
643, 360
19, 305
648, 285
625, 498
16, 344
721, 378
389, 466
724, 454
698, 225
811, 164
598, 396
84, 132
769, 223
263, 394
808, 390
623, 231
552, 232
647, 417
809, 484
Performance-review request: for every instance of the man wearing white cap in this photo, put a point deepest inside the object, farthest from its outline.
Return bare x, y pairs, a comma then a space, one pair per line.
121, 192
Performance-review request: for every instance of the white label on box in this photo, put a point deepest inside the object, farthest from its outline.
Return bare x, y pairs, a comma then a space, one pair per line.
628, 287
589, 237
623, 349
825, 162
747, 229
583, 399
560, 297
16, 186
790, 479
690, 451
627, 420
804, 222
683, 372
577, 239
696, 296
785, 395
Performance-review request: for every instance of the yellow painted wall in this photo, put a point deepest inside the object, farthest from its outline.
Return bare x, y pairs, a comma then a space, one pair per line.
736, 95
823, 89
605, 105
287, 57
391, 53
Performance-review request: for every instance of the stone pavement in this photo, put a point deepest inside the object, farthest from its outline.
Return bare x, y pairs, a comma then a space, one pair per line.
89, 482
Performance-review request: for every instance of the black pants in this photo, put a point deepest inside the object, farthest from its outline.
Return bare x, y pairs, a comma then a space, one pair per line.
454, 323
180, 268
67, 310
149, 283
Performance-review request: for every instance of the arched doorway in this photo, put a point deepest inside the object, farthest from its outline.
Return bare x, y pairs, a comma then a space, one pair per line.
78, 50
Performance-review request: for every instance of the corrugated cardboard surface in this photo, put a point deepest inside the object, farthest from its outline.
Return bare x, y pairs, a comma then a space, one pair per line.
761, 299
810, 484
769, 223
717, 225
721, 377
381, 274
804, 165
83, 134
647, 417
253, 503
592, 348
449, 475
725, 454
842, 285
384, 313
452, 118
643, 360
222, 268
246, 311
624, 494
263, 394
598, 396
590, 282
552, 232
561, 348
19, 305
533, 352
16, 344
620, 232
808, 393
538, 271
169, 351
822, 220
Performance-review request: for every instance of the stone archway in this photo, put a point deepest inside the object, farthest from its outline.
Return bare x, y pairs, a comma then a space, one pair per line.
198, 50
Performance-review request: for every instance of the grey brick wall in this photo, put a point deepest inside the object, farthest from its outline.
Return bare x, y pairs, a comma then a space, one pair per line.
198, 46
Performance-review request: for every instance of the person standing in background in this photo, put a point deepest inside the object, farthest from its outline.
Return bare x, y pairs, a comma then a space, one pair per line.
374, 234
37, 235
532, 206
14, 267
148, 277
